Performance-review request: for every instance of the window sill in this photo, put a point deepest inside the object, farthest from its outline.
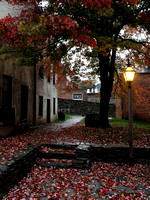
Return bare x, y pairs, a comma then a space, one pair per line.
41, 79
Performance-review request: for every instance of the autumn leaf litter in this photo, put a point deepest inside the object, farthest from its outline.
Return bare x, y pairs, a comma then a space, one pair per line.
101, 181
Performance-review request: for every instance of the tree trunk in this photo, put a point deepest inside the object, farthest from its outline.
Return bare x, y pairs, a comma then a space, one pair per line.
107, 77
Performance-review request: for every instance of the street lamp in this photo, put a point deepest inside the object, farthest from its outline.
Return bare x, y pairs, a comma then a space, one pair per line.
129, 74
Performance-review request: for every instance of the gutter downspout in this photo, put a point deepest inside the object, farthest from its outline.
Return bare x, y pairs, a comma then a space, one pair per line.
34, 95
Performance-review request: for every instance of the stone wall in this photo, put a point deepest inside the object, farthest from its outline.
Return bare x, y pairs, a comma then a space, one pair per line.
120, 154
13, 171
82, 107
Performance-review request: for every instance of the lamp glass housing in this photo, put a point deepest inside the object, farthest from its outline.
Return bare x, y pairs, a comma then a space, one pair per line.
129, 74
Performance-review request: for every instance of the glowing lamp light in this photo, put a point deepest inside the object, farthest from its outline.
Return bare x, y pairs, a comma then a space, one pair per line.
129, 74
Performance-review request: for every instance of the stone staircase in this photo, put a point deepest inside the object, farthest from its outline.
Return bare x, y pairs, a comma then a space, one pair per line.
64, 156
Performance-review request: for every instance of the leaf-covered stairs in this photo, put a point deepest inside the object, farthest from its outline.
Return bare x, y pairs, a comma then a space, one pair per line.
66, 155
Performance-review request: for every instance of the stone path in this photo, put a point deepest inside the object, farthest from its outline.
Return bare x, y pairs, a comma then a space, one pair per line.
70, 122
5, 130
66, 124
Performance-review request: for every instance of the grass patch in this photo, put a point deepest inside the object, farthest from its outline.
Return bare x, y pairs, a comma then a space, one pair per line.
122, 122
113, 121
82, 121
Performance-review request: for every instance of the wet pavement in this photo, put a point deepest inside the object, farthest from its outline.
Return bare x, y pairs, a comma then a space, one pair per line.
66, 124
71, 122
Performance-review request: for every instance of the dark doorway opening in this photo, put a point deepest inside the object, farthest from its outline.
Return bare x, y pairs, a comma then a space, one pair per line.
24, 103
48, 110
6, 91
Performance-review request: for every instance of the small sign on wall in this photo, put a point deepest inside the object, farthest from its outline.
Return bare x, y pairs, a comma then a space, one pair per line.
77, 96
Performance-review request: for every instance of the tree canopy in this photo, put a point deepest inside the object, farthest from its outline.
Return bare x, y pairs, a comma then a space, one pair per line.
103, 28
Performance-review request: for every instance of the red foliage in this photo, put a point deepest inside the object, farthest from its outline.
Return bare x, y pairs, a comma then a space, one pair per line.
120, 90
22, 2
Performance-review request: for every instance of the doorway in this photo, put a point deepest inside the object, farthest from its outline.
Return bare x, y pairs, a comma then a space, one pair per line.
48, 110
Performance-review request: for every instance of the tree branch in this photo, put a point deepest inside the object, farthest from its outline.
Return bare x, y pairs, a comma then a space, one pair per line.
134, 41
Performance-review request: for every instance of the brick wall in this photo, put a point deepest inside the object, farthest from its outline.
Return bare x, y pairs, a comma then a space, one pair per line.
141, 111
119, 111
64, 94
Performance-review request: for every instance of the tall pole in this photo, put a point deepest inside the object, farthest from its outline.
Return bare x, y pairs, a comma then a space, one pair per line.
130, 112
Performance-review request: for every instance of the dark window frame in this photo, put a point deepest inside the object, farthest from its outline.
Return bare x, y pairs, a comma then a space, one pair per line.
41, 75
54, 78
54, 106
40, 107
77, 94
49, 79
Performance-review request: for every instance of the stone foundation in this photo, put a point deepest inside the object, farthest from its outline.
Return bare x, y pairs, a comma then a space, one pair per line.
13, 171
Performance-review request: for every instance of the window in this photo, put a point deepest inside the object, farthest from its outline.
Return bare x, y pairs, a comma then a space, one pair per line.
40, 106
24, 102
49, 79
77, 96
41, 75
6, 91
54, 78
48, 110
54, 105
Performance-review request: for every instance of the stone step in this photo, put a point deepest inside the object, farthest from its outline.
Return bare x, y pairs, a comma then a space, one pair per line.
66, 146
55, 164
81, 157
81, 163
76, 163
56, 155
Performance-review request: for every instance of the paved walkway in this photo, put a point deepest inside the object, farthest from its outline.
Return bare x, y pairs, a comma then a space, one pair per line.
70, 122
5, 130
66, 124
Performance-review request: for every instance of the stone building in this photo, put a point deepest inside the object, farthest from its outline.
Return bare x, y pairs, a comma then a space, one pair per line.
22, 99
17, 94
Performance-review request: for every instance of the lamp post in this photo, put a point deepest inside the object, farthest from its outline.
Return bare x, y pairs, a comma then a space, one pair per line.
129, 74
